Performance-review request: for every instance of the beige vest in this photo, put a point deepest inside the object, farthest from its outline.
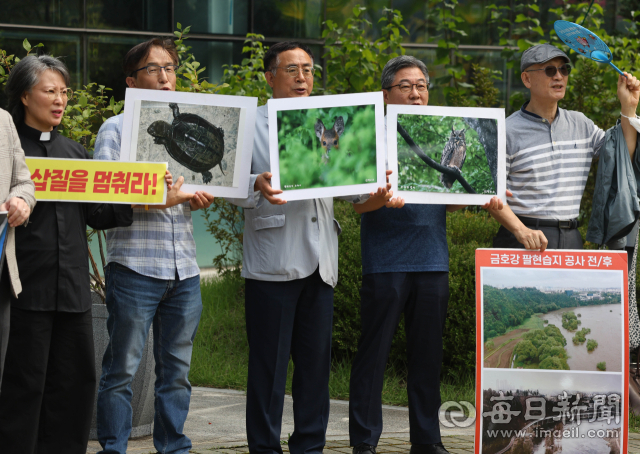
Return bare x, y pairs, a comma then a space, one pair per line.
15, 181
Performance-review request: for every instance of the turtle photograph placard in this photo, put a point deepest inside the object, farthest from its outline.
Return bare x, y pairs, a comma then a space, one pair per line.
327, 146
446, 155
207, 139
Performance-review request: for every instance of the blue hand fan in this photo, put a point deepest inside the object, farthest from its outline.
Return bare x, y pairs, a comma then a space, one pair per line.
584, 42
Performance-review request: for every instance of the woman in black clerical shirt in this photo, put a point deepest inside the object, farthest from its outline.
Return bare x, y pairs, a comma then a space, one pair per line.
46, 400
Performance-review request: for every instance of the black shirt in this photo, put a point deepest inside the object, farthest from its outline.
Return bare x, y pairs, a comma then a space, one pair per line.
52, 250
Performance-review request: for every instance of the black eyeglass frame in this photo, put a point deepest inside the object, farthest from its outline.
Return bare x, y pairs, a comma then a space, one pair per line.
567, 67
410, 89
155, 66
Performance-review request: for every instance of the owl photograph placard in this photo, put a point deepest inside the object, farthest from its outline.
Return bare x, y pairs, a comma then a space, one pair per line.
446, 155
207, 139
327, 146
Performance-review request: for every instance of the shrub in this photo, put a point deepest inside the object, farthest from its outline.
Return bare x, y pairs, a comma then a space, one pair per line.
592, 344
602, 366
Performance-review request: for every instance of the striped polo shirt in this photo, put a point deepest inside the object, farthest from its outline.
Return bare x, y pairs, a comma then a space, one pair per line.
548, 164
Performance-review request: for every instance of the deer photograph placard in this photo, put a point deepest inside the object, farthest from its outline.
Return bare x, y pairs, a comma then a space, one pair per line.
327, 146
446, 155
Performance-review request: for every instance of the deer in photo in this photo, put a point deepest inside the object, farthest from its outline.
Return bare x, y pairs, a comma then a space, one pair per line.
329, 138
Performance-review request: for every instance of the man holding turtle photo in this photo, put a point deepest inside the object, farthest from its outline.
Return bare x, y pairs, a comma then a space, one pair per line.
151, 276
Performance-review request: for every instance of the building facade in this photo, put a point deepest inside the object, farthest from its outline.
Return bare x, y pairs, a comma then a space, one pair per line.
93, 35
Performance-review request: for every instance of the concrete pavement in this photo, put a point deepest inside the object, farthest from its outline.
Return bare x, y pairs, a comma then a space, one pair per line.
217, 419
216, 425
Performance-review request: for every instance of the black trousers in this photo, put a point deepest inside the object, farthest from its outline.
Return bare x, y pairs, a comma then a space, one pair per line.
285, 319
48, 389
423, 298
5, 313
558, 238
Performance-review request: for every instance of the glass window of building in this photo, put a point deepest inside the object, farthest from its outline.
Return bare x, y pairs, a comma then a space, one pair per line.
58, 13
218, 17
138, 15
288, 19
64, 46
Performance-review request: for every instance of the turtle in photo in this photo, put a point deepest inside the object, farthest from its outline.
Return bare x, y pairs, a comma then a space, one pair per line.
191, 140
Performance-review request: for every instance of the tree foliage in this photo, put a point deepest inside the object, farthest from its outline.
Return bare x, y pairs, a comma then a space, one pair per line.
510, 307
542, 349
354, 62
581, 336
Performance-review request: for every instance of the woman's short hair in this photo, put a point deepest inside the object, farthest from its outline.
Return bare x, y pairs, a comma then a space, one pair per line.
25, 75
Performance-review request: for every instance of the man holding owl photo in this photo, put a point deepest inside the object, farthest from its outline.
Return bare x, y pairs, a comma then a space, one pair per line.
405, 267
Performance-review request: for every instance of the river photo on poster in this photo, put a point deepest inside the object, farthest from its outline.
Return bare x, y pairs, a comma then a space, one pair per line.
552, 319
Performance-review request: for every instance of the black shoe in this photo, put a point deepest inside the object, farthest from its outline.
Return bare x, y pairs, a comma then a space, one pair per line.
437, 448
363, 448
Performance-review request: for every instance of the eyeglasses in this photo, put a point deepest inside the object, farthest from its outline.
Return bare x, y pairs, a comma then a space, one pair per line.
154, 70
293, 71
551, 71
406, 87
65, 93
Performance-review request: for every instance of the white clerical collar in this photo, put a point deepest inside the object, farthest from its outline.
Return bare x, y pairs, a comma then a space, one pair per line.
45, 137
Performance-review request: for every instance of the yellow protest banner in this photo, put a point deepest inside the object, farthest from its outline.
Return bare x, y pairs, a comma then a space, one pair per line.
86, 180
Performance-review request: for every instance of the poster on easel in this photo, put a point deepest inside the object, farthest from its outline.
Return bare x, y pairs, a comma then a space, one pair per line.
552, 348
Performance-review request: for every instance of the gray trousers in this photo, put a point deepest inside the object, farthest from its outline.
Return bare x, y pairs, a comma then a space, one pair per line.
558, 238
5, 312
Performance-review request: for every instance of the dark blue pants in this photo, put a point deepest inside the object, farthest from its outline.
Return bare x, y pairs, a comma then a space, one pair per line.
292, 318
423, 298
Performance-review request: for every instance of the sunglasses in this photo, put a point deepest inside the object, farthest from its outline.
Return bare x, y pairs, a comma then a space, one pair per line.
551, 71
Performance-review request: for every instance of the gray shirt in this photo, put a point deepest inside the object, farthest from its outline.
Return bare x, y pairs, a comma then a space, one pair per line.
285, 242
548, 164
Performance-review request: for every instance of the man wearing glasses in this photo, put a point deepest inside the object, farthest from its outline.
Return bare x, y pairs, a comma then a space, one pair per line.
152, 277
290, 262
405, 267
549, 153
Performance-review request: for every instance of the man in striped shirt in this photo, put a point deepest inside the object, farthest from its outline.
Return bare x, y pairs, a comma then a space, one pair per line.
549, 153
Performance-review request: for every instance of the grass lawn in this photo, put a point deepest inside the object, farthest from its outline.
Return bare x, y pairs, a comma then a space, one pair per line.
220, 353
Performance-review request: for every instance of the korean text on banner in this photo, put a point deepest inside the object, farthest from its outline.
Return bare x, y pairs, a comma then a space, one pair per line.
85, 180
552, 351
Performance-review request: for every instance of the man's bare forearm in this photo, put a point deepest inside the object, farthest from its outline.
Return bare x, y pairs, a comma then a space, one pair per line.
372, 204
508, 219
531, 239
630, 135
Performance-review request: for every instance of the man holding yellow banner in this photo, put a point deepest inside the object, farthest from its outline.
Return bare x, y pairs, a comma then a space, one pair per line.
152, 276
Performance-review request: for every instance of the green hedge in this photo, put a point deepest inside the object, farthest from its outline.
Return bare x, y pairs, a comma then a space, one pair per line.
466, 231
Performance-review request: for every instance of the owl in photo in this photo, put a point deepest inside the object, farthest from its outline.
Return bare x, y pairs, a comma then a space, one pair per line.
453, 155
